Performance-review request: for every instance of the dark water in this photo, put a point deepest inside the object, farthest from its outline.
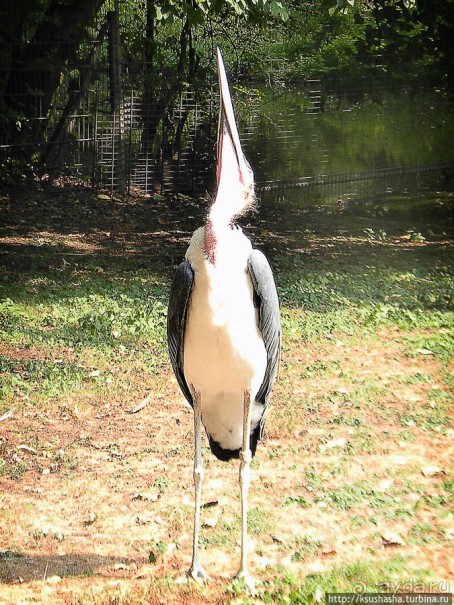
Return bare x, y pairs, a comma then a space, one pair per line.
395, 144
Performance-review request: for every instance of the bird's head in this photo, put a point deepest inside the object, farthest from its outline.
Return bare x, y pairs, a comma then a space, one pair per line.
234, 176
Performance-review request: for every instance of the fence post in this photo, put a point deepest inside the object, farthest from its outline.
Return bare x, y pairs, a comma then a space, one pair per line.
118, 158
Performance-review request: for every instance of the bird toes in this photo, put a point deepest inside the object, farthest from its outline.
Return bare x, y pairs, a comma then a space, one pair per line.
245, 580
197, 574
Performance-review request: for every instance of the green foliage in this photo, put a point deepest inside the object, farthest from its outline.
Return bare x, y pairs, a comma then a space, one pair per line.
421, 533
53, 377
123, 317
360, 576
421, 30
345, 497
114, 313
329, 299
168, 11
12, 469
259, 521
306, 547
300, 500
104, 320
448, 485
273, 41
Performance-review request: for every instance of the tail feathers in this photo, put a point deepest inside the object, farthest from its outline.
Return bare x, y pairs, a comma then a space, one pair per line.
225, 455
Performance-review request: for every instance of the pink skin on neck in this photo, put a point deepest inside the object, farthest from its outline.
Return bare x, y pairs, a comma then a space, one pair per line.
210, 242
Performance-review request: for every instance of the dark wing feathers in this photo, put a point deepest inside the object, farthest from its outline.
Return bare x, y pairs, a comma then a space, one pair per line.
268, 320
180, 293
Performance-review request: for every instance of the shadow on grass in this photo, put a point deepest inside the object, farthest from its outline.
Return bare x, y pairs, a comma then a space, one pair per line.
15, 568
120, 252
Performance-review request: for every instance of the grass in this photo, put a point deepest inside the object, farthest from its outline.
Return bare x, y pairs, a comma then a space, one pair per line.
362, 405
357, 577
92, 331
99, 311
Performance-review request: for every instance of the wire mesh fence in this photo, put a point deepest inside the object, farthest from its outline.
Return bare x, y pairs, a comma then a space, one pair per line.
100, 127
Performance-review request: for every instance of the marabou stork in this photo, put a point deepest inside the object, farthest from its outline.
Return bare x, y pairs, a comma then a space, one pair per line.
223, 325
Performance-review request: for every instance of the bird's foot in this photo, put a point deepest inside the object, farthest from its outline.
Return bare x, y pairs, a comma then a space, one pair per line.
244, 578
197, 573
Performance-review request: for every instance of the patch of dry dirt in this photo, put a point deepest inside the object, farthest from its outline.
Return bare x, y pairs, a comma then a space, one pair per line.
94, 526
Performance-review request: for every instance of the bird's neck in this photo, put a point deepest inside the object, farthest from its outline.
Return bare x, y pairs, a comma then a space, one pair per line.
226, 207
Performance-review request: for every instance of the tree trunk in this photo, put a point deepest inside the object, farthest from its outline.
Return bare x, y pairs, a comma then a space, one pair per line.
77, 90
36, 67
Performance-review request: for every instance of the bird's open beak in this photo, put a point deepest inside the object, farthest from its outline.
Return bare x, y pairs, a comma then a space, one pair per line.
230, 158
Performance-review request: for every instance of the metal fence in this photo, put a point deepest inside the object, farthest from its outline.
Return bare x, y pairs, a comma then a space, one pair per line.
86, 137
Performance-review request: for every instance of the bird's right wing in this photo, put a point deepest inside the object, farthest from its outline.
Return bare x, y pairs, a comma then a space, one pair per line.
180, 293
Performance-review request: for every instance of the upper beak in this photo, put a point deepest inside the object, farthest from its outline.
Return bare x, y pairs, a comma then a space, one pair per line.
230, 156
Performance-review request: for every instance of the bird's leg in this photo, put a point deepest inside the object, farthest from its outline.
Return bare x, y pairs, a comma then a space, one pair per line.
245, 460
195, 571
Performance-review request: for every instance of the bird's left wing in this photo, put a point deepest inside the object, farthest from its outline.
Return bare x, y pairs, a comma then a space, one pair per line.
265, 295
180, 293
